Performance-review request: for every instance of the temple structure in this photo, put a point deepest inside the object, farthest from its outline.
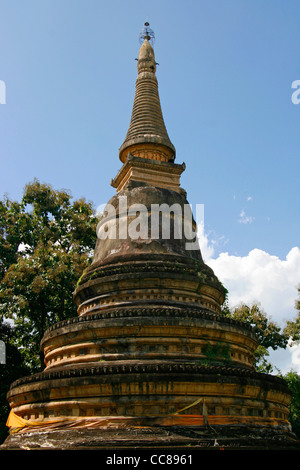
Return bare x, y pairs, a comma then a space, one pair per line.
149, 360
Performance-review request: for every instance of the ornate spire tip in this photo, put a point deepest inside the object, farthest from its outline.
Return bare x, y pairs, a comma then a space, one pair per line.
147, 33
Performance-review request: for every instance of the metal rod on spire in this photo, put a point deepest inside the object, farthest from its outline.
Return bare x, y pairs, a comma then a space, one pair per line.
147, 33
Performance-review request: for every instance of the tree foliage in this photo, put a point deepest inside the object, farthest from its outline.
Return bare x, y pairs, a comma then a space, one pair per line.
11, 370
268, 333
292, 328
293, 381
46, 242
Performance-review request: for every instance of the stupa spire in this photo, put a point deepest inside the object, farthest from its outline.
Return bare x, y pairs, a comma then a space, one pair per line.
147, 136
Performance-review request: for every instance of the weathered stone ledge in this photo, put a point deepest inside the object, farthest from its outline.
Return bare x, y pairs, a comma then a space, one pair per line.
144, 265
163, 311
156, 368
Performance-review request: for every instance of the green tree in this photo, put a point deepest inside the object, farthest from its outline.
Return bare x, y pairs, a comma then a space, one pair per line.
292, 328
293, 381
12, 369
13, 222
292, 331
46, 242
268, 333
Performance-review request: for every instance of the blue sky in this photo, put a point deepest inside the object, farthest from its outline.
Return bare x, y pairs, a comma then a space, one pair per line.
225, 73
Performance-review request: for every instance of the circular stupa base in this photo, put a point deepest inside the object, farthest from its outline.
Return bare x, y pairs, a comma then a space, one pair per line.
168, 438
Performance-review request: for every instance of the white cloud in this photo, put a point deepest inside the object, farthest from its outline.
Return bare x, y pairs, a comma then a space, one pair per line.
209, 242
245, 219
22, 247
295, 361
263, 278
206, 246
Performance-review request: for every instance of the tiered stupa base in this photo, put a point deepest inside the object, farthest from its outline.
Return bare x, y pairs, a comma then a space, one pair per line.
149, 361
142, 401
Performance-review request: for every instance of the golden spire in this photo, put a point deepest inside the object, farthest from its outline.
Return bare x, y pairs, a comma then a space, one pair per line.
147, 135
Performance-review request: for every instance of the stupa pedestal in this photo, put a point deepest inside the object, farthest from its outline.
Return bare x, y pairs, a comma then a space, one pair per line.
150, 361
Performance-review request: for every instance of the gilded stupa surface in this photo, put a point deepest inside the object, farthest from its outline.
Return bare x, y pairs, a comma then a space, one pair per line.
149, 360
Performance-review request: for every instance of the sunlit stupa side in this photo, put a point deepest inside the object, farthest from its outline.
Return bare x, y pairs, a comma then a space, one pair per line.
150, 361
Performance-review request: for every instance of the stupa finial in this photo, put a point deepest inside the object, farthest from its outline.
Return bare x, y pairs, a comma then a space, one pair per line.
147, 33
